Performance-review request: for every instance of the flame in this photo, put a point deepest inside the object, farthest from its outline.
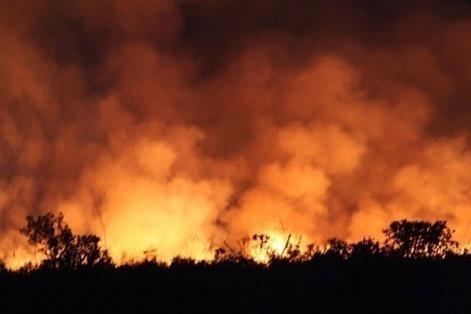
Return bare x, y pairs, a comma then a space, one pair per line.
193, 135
275, 245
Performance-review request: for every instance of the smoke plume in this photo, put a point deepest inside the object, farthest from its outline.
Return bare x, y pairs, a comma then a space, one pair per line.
178, 125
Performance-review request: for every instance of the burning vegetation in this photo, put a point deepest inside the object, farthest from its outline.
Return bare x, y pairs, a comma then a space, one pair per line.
417, 259
183, 125
58, 248
274, 152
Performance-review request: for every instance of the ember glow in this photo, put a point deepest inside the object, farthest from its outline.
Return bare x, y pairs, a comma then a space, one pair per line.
177, 126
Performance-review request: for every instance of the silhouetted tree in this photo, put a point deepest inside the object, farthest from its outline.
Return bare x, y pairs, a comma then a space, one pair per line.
415, 239
365, 248
61, 248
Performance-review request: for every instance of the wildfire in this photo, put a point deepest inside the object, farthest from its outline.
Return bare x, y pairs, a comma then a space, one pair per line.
193, 134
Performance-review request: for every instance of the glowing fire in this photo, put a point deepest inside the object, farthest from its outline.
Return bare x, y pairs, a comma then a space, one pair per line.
275, 244
191, 143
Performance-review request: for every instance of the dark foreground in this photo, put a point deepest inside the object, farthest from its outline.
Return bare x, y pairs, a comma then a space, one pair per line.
417, 269
372, 285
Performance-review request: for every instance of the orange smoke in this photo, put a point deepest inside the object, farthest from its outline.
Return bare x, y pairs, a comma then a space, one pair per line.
178, 126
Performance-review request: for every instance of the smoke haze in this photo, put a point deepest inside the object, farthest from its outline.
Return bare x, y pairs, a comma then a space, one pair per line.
177, 125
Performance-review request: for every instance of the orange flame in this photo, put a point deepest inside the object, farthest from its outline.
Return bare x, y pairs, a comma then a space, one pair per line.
191, 143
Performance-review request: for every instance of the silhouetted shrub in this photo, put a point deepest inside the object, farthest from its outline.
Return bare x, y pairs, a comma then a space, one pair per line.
419, 239
60, 247
337, 248
365, 248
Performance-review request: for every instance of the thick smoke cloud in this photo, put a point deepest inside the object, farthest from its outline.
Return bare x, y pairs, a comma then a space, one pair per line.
177, 125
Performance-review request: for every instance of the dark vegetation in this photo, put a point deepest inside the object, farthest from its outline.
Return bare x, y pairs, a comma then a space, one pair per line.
417, 269
62, 249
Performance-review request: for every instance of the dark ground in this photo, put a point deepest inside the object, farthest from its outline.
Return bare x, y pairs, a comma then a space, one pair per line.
374, 285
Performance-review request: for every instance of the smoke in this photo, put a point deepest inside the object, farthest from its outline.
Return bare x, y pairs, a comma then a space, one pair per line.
178, 125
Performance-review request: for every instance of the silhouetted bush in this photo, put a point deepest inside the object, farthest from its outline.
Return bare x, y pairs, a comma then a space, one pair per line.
404, 239
365, 248
60, 247
419, 239
411, 272
337, 248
